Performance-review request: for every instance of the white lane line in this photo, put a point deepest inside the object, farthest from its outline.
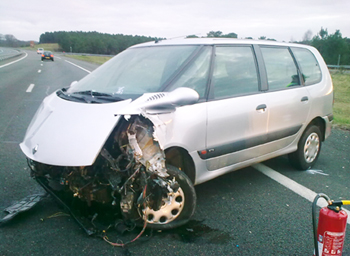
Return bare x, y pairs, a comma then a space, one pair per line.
39, 71
30, 88
14, 61
292, 185
57, 57
78, 66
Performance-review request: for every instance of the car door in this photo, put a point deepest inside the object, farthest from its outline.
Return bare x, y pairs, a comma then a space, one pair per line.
288, 101
236, 110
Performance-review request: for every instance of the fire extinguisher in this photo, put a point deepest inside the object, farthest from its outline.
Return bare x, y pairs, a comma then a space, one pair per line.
330, 235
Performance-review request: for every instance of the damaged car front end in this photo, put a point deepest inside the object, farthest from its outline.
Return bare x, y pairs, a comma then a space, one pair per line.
104, 146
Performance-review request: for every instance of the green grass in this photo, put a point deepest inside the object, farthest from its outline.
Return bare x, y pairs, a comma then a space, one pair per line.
341, 108
48, 47
93, 59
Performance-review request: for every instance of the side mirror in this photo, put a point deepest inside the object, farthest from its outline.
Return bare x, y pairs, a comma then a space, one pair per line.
160, 102
183, 96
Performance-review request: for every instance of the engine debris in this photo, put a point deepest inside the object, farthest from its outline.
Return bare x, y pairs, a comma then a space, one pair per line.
129, 178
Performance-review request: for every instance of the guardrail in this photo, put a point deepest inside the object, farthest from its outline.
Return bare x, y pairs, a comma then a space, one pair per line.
339, 66
87, 54
10, 55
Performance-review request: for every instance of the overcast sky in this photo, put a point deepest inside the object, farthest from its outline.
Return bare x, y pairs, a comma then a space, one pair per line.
279, 19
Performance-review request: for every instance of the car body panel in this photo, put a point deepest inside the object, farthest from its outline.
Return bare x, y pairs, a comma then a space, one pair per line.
288, 113
66, 133
234, 130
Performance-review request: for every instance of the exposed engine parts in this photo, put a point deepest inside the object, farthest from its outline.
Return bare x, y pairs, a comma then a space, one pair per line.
129, 176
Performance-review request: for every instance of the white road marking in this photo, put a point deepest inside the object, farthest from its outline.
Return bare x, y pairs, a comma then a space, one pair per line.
292, 185
78, 66
14, 61
39, 71
58, 58
41, 64
30, 88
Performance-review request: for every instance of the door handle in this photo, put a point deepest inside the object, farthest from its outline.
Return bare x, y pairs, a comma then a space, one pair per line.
261, 107
305, 98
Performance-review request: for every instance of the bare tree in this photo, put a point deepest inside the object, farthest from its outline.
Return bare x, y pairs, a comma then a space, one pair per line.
307, 36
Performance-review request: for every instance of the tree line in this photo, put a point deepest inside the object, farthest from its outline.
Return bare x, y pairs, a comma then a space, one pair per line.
11, 41
334, 48
93, 42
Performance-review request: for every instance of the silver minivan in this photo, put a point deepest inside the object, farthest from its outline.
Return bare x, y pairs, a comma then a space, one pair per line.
140, 131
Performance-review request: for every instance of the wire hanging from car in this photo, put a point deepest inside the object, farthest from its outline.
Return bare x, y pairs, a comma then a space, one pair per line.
121, 244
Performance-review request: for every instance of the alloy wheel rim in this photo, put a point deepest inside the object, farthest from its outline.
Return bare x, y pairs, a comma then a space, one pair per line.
311, 147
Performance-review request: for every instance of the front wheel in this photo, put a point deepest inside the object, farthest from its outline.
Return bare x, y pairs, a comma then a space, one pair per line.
309, 148
177, 208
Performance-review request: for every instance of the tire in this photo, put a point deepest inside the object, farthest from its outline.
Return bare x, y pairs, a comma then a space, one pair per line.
181, 207
309, 148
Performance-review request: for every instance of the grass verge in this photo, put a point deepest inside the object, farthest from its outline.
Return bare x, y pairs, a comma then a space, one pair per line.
93, 59
47, 47
341, 108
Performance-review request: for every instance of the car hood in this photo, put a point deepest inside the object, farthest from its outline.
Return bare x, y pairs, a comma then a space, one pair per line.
67, 133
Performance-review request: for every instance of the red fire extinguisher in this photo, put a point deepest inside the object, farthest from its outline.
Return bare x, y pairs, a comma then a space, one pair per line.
330, 235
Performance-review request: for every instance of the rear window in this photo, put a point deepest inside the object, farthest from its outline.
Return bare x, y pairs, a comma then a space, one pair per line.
309, 66
234, 72
281, 70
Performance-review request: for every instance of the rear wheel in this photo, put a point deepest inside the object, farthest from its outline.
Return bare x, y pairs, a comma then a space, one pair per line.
309, 148
177, 208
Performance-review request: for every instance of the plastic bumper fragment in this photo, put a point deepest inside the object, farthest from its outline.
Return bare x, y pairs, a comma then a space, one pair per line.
24, 205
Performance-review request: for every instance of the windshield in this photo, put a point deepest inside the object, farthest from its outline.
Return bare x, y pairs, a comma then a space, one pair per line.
136, 71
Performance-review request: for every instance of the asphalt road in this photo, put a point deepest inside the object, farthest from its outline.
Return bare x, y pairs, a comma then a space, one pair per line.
241, 213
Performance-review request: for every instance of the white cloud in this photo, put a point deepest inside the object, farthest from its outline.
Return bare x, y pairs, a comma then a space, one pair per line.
278, 19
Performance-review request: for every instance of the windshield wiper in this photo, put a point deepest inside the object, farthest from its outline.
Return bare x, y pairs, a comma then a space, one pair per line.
62, 93
94, 93
105, 97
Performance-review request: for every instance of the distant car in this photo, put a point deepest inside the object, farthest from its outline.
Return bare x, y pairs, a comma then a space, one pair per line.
47, 55
40, 51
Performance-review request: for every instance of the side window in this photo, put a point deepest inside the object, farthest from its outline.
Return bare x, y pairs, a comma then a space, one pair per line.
308, 64
235, 72
280, 67
196, 75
